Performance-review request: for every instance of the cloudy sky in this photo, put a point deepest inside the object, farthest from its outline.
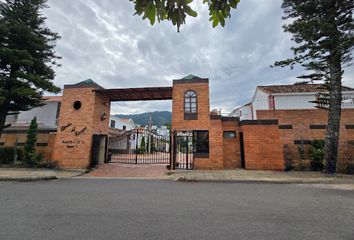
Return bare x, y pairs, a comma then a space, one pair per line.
102, 40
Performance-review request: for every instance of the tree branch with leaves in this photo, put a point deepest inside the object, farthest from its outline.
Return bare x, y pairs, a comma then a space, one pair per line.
177, 10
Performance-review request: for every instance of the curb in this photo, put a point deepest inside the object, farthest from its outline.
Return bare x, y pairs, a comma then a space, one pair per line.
276, 181
27, 179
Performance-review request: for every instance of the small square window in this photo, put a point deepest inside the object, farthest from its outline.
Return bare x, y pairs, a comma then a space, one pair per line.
229, 134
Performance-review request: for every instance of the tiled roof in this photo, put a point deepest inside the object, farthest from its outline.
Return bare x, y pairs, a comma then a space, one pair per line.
125, 119
296, 88
87, 81
190, 76
52, 98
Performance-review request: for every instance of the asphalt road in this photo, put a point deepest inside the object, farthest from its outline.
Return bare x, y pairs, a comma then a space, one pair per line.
162, 209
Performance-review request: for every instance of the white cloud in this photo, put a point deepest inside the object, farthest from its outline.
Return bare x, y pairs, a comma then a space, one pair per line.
102, 40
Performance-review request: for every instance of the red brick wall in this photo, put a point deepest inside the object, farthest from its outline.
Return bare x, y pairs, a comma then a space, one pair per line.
231, 146
301, 120
203, 122
9, 140
216, 153
73, 146
262, 147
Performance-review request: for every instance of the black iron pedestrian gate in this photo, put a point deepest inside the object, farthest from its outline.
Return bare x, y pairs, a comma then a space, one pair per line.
183, 152
132, 147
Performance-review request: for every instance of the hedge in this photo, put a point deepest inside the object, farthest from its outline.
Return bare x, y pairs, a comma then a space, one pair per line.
7, 155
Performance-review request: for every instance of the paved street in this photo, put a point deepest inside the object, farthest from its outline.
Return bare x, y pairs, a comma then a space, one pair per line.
85, 208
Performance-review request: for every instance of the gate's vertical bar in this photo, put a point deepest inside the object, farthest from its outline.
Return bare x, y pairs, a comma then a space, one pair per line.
187, 154
136, 146
170, 150
174, 150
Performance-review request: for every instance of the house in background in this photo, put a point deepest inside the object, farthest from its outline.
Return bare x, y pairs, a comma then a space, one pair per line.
119, 123
47, 115
243, 112
163, 131
287, 97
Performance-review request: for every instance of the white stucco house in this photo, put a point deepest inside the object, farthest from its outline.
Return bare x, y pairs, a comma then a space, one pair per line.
163, 131
243, 112
47, 115
287, 97
119, 123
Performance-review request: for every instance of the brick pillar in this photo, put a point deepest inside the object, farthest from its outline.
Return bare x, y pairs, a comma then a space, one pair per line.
180, 123
79, 119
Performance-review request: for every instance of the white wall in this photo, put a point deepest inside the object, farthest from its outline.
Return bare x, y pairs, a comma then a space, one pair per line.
259, 101
119, 123
10, 119
294, 101
46, 115
244, 113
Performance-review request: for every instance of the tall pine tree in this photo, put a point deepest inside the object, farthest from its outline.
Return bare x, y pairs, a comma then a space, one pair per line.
26, 56
324, 33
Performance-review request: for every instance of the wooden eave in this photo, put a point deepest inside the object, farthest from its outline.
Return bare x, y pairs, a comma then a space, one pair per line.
137, 94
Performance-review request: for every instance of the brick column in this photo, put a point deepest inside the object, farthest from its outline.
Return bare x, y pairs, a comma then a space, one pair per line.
79, 119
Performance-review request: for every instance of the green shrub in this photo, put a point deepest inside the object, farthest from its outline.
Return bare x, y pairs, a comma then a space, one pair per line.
142, 145
33, 158
46, 163
152, 145
7, 155
30, 152
317, 154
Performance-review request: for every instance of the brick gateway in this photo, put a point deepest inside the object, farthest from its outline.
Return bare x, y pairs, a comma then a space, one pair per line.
201, 140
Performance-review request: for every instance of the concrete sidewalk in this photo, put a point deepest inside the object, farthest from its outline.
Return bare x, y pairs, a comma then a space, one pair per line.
241, 175
234, 175
35, 174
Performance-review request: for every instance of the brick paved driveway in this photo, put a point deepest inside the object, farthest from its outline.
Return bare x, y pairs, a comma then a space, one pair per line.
129, 170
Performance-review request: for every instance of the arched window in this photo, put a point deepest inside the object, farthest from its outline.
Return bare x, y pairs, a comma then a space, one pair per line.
190, 105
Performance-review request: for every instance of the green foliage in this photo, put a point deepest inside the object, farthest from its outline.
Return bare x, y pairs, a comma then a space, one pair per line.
7, 154
152, 145
168, 125
323, 100
45, 163
33, 158
177, 10
301, 83
26, 56
30, 142
323, 32
317, 154
143, 145
158, 118
301, 149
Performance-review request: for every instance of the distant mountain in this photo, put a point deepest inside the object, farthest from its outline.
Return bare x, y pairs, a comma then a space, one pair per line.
158, 118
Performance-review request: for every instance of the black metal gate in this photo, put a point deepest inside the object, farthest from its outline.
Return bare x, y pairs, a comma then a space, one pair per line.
183, 152
132, 147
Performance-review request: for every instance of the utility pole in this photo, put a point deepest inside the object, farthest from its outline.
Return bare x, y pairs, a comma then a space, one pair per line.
150, 133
